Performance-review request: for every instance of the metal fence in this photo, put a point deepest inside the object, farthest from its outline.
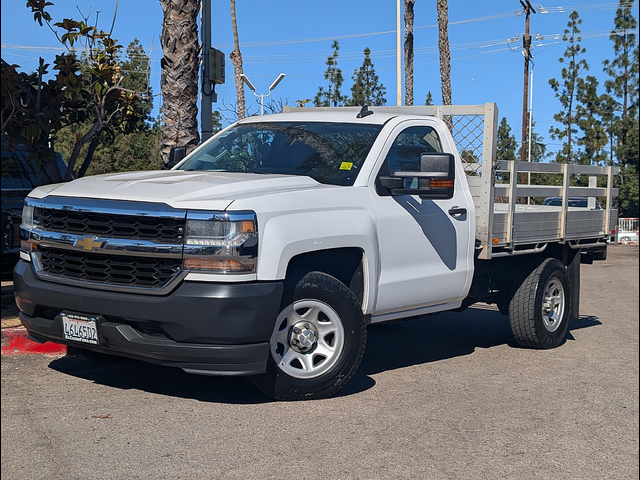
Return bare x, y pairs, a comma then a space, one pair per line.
627, 231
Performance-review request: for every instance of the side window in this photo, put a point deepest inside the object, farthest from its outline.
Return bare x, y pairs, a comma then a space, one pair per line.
405, 152
13, 175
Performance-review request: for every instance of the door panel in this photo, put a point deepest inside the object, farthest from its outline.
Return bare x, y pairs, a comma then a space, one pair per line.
424, 243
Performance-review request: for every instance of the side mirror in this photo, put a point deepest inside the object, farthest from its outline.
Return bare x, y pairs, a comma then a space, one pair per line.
435, 179
176, 155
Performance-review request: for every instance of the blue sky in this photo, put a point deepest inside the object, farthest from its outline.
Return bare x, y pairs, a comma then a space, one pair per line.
295, 37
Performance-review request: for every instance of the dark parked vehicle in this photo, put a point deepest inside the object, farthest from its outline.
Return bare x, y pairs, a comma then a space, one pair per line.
19, 177
582, 202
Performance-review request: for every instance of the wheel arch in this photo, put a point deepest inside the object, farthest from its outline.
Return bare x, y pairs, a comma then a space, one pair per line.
322, 240
347, 264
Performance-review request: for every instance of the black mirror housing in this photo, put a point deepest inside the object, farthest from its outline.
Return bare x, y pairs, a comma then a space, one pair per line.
435, 180
176, 154
438, 164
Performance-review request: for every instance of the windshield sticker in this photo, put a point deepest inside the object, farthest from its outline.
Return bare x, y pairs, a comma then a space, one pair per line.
346, 165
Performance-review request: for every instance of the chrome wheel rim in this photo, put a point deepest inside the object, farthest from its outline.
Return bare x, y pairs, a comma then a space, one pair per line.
553, 304
308, 339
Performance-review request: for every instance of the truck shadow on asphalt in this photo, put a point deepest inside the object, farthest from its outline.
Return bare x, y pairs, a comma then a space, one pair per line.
390, 346
430, 339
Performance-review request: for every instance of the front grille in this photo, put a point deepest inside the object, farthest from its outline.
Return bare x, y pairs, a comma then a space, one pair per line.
120, 270
156, 229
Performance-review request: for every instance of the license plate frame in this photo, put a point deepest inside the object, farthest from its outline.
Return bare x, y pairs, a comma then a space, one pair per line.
80, 328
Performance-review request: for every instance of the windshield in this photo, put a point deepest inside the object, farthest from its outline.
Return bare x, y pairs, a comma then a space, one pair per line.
329, 153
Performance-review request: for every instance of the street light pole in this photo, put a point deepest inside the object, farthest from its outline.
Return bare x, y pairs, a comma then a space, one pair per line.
262, 95
530, 134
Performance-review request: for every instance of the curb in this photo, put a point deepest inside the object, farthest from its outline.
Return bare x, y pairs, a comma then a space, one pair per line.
15, 341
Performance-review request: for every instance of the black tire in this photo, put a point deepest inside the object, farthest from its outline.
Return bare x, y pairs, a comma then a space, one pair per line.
316, 346
539, 309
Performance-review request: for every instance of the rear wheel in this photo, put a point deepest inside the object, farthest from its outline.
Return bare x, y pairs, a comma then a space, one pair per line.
539, 309
318, 340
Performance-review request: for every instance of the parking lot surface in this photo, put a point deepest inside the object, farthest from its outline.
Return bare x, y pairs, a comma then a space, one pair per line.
444, 397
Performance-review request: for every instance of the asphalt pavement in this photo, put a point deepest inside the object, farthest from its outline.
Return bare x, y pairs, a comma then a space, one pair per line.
445, 397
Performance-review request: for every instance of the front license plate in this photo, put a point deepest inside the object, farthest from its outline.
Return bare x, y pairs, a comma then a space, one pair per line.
80, 328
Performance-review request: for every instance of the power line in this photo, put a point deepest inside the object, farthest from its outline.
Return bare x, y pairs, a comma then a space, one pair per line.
376, 54
423, 50
558, 9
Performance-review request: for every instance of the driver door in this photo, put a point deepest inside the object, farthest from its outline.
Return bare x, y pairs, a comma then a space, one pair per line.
426, 252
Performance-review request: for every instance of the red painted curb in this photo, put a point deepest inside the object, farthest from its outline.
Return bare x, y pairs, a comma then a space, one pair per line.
15, 342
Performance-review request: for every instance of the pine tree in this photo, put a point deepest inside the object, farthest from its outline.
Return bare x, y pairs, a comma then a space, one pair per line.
608, 115
623, 71
366, 90
137, 70
589, 119
429, 99
629, 191
622, 105
506, 142
567, 90
332, 96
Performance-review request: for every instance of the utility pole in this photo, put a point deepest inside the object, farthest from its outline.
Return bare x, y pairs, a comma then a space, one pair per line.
526, 51
398, 59
207, 92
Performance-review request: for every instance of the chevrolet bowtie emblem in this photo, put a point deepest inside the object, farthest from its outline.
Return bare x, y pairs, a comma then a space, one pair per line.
88, 243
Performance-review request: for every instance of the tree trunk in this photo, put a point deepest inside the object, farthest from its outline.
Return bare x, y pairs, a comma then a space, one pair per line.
236, 59
180, 73
87, 159
445, 56
408, 51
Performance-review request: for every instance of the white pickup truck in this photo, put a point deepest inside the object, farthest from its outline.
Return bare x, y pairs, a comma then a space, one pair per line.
269, 249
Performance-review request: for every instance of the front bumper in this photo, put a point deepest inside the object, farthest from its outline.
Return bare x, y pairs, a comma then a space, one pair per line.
201, 327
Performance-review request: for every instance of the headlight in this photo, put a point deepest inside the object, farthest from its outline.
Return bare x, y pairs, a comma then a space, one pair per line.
221, 242
27, 216
29, 221
219, 233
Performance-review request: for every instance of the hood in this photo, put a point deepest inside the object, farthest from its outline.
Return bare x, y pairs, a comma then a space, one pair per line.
177, 188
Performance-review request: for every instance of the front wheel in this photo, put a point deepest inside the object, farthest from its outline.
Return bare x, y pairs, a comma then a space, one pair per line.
318, 340
539, 309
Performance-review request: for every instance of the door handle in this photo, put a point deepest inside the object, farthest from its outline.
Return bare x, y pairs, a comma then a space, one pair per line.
457, 211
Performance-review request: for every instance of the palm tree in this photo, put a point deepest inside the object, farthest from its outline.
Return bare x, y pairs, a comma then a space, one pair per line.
408, 51
179, 81
445, 56
236, 59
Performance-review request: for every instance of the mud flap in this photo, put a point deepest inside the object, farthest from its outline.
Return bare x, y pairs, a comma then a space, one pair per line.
573, 271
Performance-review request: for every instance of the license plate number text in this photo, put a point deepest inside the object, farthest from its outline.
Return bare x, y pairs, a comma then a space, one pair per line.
80, 328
